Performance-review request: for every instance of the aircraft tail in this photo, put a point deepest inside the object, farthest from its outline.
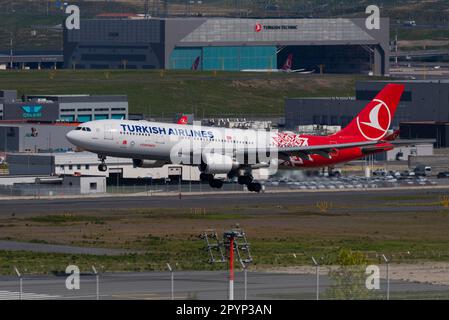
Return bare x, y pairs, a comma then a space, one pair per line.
196, 64
183, 120
374, 121
288, 65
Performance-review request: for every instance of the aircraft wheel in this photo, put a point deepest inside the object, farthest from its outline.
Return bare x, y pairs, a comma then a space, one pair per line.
217, 184
245, 180
102, 167
255, 187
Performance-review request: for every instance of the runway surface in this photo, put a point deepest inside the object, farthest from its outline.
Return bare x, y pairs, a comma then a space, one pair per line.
193, 285
371, 200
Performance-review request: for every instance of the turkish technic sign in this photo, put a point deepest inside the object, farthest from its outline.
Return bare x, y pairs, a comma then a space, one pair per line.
259, 27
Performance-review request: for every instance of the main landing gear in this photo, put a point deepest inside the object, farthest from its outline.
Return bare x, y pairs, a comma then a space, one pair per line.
243, 180
248, 181
214, 183
102, 167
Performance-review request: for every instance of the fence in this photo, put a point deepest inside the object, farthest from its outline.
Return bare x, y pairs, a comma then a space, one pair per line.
38, 190
331, 282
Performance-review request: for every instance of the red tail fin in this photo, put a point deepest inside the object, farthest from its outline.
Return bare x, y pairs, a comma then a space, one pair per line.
373, 122
288, 63
183, 120
196, 63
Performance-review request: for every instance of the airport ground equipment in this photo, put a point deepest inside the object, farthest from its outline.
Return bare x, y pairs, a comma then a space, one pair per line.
234, 246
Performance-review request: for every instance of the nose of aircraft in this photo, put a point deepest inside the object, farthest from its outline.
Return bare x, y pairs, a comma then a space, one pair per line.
72, 137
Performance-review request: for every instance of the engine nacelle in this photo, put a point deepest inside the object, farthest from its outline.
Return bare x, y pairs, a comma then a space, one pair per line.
218, 163
139, 163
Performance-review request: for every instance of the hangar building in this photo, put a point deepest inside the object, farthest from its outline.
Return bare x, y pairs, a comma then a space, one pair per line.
328, 45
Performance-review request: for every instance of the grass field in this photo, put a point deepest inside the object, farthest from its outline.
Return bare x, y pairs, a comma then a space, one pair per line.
164, 93
280, 236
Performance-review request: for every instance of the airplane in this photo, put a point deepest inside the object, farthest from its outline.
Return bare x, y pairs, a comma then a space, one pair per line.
236, 152
287, 67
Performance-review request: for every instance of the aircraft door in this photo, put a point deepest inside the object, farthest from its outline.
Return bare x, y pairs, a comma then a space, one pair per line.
108, 132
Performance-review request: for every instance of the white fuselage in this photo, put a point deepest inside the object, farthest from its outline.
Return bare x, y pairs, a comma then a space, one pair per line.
159, 141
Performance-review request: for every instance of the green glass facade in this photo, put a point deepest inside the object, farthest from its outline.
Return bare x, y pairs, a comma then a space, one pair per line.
101, 116
183, 58
84, 118
232, 58
118, 116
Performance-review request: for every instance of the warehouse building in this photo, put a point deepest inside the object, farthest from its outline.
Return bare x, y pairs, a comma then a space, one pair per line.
19, 136
327, 45
44, 185
427, 130
422, 100
67, 108
86, 163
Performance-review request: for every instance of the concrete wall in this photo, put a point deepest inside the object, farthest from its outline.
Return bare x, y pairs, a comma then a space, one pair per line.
85, 184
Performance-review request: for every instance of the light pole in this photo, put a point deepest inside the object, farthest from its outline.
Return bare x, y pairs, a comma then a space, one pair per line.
97, 279
317, 269
172, 280
20, 283
245, 271
388, 275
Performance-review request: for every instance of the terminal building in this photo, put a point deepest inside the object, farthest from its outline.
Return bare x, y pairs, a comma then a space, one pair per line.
67, 108
323, 45
40, 123
423, 105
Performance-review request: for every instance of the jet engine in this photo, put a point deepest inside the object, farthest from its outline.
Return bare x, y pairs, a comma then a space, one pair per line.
218, 163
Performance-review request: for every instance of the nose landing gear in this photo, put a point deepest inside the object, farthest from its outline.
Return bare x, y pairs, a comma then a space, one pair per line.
102, 167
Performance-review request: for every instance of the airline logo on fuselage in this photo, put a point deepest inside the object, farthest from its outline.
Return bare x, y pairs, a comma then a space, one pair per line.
127, 128
375, 125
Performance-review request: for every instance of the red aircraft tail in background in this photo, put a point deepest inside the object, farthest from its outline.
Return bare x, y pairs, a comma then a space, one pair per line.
288, 65
374, 121
183, 120
196, 64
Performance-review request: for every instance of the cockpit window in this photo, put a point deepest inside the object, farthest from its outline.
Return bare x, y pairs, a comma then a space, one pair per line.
84, 129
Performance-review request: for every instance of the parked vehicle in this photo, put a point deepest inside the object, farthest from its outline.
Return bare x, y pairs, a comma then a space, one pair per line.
444, 174
422, 170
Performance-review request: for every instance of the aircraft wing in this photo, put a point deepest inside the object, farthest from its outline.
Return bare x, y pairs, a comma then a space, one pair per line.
388, 145
410, 142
